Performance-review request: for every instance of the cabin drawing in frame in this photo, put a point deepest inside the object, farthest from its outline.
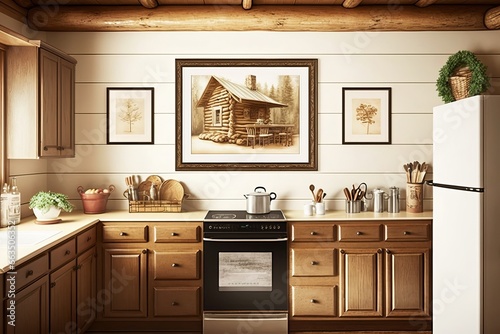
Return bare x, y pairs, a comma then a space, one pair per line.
245, 114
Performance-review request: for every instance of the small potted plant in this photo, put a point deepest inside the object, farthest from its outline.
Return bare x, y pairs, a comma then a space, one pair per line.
47, 205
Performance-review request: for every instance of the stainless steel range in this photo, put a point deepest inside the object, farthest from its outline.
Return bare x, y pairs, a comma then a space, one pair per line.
245, 280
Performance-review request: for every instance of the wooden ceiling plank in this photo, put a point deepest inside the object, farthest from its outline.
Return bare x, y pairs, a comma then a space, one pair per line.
492, 18
263, 18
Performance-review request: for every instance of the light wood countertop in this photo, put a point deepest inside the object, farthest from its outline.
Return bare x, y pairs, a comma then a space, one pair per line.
30, 239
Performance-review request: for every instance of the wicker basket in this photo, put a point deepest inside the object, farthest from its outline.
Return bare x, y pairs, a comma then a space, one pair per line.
460, 83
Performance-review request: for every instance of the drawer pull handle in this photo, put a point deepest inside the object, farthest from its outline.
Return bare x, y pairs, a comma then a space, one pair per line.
342, 251
406, 233
144, 251
379, 250
67, 252
388, 251
174, 234
175, 303
313, 263
313, 233
175, 265
123, 234
359, 233
53, 284
314, 301
29, 273
89, 238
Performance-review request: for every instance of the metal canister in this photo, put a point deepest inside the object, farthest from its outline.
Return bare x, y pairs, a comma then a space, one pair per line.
378, 200
393, 201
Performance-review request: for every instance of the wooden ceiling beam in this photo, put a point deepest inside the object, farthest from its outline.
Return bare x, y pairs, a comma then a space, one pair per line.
150, 4
492, 18
351, 3
246, 4
260, 18
424, 3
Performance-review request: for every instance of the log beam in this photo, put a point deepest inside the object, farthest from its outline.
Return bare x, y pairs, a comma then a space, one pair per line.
492, 18
150, 4
424, 3
262, 18
351, 3
247, 4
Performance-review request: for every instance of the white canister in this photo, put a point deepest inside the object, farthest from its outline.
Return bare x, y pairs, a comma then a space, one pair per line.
320, 208
308, 209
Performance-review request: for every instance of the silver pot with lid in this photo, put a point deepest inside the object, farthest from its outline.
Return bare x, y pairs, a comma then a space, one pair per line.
259, 202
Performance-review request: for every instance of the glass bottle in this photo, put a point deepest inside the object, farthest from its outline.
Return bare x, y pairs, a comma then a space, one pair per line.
4, 205
15, 203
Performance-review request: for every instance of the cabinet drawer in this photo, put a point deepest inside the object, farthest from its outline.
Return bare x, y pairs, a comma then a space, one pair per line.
125, 233
63, 253
314, 301
86, 239
177, 233
177, 265
410, 232
360, 232
313, 262
28, 272
179, 301
313, 232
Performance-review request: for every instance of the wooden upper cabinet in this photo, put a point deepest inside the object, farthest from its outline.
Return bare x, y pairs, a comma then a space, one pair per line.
40, 102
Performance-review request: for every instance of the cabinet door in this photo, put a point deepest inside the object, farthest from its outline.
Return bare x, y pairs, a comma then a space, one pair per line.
49, 86
86, 289
408, 282
361, 282
66, 109
125, 280
32, 312
63, 299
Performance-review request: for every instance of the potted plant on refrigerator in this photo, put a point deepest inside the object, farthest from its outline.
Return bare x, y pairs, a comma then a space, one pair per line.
462, 76
47, 205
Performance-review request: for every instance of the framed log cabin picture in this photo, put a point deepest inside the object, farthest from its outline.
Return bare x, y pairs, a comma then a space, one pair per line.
366, 115
130, 115
246, 114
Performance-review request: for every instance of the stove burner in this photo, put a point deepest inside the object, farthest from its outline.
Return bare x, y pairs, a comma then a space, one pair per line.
223, 216
241, 215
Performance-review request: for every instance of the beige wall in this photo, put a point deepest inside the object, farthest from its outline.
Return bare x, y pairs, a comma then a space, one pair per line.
407, 62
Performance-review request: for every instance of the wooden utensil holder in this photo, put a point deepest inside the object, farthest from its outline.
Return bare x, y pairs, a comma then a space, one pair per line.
415, 197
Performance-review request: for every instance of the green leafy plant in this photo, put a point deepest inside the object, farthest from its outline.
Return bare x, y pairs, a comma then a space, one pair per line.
479, 80
43, 200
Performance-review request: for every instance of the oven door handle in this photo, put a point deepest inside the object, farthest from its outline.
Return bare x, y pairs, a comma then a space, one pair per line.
245, 240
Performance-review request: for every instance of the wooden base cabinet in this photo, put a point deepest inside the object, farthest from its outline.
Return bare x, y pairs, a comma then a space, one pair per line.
152, 271
356, 276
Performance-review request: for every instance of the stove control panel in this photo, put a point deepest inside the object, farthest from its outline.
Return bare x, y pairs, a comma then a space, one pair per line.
245, 227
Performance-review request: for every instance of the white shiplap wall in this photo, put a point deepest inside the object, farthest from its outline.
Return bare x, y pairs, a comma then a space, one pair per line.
408, 62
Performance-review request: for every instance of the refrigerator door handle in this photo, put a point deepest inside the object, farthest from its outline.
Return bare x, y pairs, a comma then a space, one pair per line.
451, 186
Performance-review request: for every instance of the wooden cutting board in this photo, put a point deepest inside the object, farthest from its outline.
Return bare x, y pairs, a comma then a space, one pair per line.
171, 190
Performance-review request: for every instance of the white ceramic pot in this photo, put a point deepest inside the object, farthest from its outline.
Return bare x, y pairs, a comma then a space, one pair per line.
53, 213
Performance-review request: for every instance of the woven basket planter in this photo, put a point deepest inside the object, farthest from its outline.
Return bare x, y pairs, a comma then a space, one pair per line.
460, 83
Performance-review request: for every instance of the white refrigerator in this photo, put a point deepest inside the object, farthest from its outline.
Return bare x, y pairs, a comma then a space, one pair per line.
466, 216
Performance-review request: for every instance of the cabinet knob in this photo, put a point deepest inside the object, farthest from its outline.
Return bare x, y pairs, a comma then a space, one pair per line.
342, 251
89, 238
29, 273
314, 263
175, 303
144, 251
174, 234
123, 234
313, 233
379, 250
406, 233
53, 284
314, 301
359, 233
388, 251
67, 252
175, 265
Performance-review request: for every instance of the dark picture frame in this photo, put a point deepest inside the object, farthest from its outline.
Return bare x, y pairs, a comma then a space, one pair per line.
366, 115
130, 115
220, 101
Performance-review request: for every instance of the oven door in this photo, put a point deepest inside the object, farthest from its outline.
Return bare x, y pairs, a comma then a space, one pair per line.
245, 274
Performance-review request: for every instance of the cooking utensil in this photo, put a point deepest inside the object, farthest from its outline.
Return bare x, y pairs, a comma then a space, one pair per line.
171, 190
259, 202
311, 188
319, 195
347, 194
